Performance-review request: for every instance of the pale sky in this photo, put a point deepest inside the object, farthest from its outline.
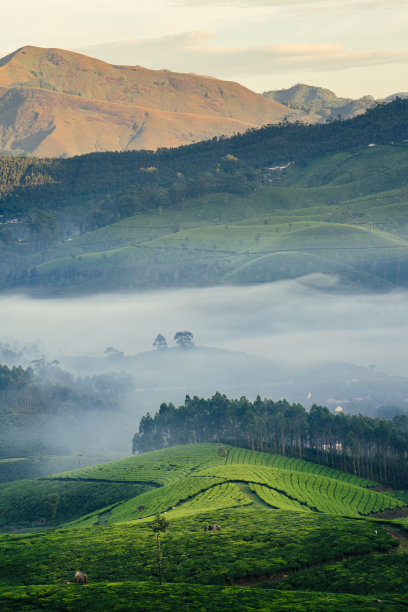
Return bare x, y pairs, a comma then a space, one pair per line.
354, 47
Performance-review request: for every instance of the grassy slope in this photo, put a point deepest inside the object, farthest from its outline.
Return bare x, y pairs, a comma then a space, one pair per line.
256, 542
189, 478
343, 213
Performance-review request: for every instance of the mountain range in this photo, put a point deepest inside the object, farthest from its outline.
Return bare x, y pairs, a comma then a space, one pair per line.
57, 103
317, 105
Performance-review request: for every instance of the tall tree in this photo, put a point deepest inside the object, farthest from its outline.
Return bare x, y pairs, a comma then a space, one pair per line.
159, 526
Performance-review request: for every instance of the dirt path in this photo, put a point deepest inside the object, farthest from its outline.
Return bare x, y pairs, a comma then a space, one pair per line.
287, 573
257, 501
398, 534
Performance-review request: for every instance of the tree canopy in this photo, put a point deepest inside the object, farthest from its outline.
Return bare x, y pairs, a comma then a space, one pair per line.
370, 447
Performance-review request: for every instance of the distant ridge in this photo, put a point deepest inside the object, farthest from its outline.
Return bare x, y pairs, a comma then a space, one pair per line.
317, 105
59, 103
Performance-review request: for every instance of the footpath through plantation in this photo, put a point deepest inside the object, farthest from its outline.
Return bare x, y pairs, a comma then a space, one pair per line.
243, 530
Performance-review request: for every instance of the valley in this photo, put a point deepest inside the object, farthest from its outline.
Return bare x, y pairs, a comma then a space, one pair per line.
214, 280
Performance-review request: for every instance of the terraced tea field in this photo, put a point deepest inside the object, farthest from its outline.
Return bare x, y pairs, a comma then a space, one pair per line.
181, 479
287, 526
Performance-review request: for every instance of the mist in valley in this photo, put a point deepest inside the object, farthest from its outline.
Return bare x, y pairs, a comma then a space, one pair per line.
307, 340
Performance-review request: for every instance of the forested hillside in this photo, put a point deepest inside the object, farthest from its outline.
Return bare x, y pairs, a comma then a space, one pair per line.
372, 448
32, 180
274, 203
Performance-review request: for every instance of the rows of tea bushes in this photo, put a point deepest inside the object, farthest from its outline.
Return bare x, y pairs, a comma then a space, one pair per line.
282, 489
24, 502
383, 573
160, 480
161, 467
139, 597
221, 496
163, 499
168, 464
317, 492
253, 542
277, 500
242, 455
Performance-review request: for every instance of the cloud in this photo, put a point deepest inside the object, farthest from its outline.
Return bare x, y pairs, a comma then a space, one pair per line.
198, 52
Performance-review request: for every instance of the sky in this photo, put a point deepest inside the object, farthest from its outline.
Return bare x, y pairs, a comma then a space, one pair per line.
353, 47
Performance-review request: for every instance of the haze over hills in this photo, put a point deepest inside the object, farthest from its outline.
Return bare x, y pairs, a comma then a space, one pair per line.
274, 203
317, 104
59, 103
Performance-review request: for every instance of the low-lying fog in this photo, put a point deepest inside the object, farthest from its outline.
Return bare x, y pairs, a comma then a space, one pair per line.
298, 321
307, 340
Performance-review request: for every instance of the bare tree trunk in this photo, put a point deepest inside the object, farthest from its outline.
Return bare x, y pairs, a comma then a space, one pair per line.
159, 557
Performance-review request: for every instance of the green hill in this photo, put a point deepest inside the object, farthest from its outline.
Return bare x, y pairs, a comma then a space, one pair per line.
288, 532
274, 203
332, 216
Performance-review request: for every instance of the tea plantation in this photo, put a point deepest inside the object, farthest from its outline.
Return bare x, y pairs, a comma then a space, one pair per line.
294, 536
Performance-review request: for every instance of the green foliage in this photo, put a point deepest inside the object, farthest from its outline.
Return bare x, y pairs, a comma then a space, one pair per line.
253, 542
157, 467
245, 456
141, 596
23, 501
200, 478
185, 219
159, 524
382, 574
295, 550
378, 451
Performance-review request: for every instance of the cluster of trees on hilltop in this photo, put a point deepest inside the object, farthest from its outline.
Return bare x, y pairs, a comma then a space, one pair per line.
368, 447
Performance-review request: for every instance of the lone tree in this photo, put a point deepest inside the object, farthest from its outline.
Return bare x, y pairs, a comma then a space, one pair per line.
184, 339
160, 342
159, 526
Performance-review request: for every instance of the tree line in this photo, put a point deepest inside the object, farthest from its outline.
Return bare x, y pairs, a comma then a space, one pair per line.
373, 448
28, 183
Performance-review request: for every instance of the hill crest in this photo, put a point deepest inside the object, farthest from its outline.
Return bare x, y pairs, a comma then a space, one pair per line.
111, 107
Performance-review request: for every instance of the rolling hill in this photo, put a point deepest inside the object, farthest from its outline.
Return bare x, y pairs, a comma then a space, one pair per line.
279, 202
56, 103
293, 536
343, 215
